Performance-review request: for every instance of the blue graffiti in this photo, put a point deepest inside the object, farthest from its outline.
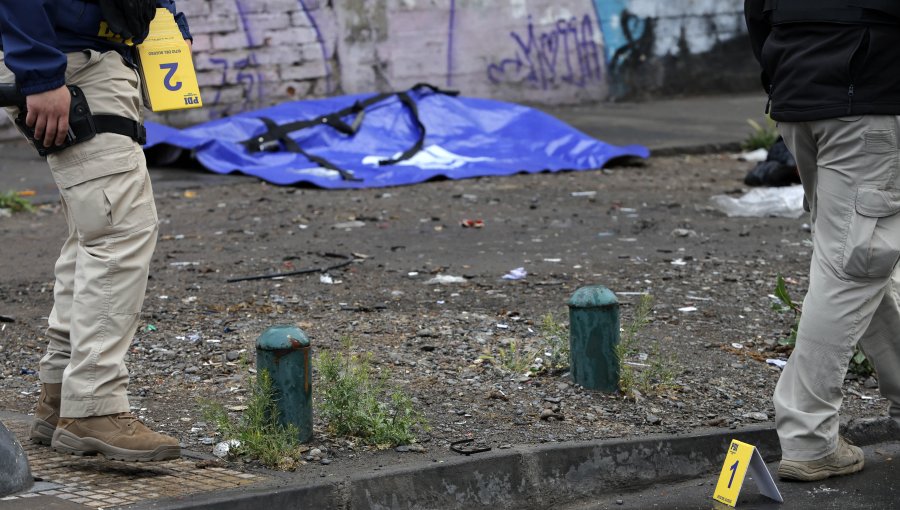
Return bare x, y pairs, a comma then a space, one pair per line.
566, 54
620, 30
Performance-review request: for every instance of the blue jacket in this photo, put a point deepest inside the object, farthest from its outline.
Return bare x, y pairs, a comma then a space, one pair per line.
36, 35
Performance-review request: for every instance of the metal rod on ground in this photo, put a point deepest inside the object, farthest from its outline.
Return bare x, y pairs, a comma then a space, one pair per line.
293, 273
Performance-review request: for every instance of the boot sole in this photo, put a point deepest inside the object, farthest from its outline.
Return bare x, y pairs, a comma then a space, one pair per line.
42, 432
805, 474
66, 442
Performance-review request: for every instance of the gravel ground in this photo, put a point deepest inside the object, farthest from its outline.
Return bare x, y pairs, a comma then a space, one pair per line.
636, 229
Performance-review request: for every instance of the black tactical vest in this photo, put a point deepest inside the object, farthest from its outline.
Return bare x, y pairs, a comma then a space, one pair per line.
854, 12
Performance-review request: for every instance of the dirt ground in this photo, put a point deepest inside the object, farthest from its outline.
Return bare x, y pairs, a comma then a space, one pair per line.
644, 229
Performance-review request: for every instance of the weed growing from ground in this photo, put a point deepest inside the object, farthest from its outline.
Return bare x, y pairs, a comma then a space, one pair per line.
357, 402
15, 202
859, 364
555, 336
762, 136
654, 375
258, 432
784, 304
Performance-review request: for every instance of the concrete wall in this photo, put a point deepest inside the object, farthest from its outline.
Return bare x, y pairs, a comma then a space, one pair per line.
252, 53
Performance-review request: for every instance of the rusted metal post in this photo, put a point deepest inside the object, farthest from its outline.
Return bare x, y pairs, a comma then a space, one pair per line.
283, 351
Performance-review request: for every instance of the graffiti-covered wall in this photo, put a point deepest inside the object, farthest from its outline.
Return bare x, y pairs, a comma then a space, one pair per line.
671, 47
251, 53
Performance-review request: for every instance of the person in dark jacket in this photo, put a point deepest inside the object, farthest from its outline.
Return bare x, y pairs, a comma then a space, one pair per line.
107, 200
829, 67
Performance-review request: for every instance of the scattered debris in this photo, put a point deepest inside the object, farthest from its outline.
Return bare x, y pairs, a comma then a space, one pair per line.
348, 260
472, 223
518, 273
221, 450
782, 202
348, 225
457, 446
444, 279
780, 363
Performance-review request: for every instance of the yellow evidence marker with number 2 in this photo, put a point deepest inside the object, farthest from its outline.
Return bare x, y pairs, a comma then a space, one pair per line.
167, 69
742, 457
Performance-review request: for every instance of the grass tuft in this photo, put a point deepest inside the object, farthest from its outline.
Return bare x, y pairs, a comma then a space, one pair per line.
358, 403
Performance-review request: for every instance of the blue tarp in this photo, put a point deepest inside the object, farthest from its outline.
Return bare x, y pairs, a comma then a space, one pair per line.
466, 137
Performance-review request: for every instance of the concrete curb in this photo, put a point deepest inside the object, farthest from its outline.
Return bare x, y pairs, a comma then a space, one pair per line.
709, 148
523, 477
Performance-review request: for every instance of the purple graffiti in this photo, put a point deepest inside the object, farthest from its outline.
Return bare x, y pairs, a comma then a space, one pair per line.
321, 41
252, 82
451, 32
565, 54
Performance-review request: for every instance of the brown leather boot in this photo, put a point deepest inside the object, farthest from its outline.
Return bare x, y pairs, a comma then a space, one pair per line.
46, 414
117, 436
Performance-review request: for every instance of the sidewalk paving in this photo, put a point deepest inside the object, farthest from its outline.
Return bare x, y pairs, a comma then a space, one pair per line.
523, 477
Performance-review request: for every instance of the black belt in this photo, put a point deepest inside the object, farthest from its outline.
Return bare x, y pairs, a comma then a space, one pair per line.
121, 126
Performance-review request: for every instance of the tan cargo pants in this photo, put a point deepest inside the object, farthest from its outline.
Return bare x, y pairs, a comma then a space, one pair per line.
850, 168
101, 273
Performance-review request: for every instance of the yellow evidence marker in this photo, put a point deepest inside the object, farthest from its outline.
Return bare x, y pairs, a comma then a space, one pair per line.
743, 457
167, 69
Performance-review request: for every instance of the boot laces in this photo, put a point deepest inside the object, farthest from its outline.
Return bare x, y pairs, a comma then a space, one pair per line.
130, 417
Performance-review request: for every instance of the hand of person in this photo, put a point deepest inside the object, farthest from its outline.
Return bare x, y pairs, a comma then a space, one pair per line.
48, 115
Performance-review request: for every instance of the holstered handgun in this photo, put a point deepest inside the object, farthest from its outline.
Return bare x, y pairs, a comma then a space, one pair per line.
81, 122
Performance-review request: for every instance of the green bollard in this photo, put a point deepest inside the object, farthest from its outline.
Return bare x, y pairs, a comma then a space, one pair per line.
283, 351
593, 336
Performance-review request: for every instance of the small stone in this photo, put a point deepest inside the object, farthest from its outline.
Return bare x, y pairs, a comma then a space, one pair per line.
871, 383
652, 419
505, 446
401, 449
232, 355
620, 502
315, 452
757, 416
417, 448
325, 462
684, 232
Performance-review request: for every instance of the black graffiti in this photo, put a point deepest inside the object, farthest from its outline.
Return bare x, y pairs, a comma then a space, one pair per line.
635, 50
566, 54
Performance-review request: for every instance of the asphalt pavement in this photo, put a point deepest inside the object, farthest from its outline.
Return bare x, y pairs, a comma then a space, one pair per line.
876, 487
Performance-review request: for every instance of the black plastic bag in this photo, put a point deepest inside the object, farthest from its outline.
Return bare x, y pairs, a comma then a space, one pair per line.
779, 168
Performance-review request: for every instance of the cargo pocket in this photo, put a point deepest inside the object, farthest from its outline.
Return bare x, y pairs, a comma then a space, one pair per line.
872, 248
107, 191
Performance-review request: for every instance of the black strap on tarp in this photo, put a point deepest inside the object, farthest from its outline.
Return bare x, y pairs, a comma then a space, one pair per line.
277, 137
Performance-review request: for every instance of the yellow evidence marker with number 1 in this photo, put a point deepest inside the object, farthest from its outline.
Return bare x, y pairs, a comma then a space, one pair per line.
167, 69
742, 457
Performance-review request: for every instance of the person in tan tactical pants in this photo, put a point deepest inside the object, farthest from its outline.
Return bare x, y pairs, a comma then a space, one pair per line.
830, 75
850, 168
101, 277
